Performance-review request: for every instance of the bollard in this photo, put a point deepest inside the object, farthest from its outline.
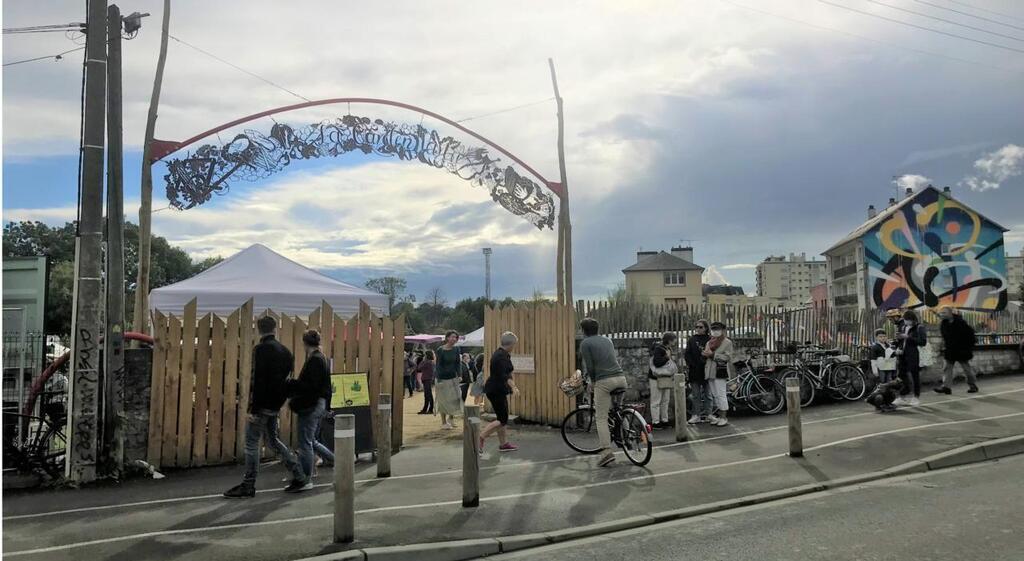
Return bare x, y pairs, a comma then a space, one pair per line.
344, 478
471, 457
679, 394
796, 437
384, 436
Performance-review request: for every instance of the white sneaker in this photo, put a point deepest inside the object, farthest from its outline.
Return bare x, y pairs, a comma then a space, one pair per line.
914, 402
447, 426
900, 402
713, 420
695, 420
721, 422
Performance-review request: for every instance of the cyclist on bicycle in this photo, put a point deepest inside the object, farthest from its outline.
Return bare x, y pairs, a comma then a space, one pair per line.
601, 364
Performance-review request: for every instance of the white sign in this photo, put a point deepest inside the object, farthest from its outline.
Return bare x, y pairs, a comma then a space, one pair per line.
523, 364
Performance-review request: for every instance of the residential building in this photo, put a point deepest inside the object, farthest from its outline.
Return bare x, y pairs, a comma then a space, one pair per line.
666, 277
791, 278
1015, 276
741, 300
924, 251
819, 295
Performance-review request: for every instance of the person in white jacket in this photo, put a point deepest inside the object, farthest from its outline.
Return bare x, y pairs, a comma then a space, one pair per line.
721, 354
661, 370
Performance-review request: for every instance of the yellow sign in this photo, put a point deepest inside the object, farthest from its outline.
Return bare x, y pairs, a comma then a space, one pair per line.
349, 390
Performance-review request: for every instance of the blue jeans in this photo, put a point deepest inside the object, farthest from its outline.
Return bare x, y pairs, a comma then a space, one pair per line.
266, 427
701, 398
309, 425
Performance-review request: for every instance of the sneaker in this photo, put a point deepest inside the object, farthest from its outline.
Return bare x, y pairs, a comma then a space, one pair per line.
606, 460
243, 491
943, 389
973, 389
297, 486
712, 420
914, 402
721, 422
900, 402
507, 447
447, 426
695, 420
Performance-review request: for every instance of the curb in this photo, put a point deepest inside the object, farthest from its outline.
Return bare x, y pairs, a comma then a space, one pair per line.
471, 549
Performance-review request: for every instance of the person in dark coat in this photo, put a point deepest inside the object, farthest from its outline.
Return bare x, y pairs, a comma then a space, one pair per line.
272, 363
911, 337
310, 393
958, 340
695, 365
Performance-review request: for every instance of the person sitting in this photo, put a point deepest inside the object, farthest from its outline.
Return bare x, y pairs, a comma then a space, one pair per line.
885, 394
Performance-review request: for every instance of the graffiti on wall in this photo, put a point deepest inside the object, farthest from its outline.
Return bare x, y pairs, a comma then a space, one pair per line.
935, 252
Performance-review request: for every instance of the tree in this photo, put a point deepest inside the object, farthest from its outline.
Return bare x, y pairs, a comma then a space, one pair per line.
392, 287
59, 304
205, 264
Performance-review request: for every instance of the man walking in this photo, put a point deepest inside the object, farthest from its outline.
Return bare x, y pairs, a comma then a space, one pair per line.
271, 365
602, 365
958, 339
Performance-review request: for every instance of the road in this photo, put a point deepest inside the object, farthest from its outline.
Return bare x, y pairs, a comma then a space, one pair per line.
965, 513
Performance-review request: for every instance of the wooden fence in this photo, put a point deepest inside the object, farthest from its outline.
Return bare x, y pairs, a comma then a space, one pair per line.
547, 333
202, 373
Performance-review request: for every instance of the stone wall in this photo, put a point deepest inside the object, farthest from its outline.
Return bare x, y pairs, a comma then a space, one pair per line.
138, 365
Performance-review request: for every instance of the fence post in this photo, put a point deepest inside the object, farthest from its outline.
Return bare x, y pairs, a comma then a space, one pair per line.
679, 394
384, 436
344, 478
471, 457
796, 437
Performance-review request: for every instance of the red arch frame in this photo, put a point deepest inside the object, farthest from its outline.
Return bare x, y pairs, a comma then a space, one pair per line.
162, 148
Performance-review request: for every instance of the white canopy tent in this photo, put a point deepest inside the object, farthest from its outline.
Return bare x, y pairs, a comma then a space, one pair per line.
273, 281
474, 339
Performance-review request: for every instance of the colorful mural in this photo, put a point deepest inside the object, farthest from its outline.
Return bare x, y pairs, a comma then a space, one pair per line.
933, 252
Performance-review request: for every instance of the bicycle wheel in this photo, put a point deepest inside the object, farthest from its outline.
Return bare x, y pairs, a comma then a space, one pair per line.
807, 390
579, 430
850, 382
634, 439
765, 395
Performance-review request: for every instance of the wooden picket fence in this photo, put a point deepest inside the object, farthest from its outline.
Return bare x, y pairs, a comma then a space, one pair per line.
547, 332
202, 373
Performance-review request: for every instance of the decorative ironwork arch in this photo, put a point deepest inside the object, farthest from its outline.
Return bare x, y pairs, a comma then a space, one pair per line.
194, 178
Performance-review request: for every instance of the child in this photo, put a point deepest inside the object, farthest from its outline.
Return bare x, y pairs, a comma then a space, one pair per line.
885, 394
883, 359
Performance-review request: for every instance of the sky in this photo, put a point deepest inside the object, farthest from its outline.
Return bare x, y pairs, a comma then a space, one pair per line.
746, 128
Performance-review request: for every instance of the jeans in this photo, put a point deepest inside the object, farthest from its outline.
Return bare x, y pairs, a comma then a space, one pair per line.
266, 427
409, 384
602, 404
428, 396
911, 380
701, 398
659, 403
309, 424
886, 376
947, 373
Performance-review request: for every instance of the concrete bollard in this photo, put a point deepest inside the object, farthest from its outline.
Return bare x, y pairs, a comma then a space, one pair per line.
679, 394
344, 478
384, 436
471, 457
796, 436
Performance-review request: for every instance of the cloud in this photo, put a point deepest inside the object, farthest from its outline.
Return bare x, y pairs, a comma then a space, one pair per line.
994, 168
911, 181
54, 215
739, 266
713, 276
920, 156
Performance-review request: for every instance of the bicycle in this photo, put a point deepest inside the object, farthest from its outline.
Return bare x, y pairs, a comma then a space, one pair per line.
836, 374
758, 392
629, 430
42, 449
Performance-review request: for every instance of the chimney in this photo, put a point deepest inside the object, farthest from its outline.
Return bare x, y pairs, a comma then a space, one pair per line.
641, 255
947, 191
872, 212
892, 201
910, 192
683, 253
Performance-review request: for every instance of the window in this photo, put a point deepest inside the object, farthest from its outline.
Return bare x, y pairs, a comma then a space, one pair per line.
675, 302
677, 278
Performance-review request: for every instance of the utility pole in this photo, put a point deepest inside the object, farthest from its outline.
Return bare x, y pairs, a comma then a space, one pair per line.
86, 326
564, 225
113, 348
487, 273
140, 320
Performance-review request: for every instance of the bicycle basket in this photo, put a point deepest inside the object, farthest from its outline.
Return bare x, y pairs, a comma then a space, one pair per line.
573, 385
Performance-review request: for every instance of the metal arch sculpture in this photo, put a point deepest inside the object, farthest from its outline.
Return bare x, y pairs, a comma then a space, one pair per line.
251, 155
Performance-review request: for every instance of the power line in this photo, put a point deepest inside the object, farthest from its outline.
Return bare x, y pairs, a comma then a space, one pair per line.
922, 27
865, 38
982, 18
56, 57
993, 12
44, 28
239, 68
946, 20
525, 105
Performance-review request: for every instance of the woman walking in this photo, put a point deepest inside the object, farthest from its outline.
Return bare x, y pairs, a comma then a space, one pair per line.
449, 361
720, 353
499, 386
465, 375
425, 371
696, 364
310, 393
911, 337
409, 374
660, 372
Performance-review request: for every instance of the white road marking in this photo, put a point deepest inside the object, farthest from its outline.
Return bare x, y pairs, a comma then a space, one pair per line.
491, 499
456, 471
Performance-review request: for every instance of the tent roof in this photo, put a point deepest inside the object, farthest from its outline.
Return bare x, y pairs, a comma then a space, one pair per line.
474, 339
271, 279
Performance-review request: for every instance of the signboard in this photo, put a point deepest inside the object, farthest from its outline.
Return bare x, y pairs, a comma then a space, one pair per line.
350, 390
523, 364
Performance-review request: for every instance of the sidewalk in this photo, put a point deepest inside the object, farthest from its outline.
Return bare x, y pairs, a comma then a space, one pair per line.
542, 487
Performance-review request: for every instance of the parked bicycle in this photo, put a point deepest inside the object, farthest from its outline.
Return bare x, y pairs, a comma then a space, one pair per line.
629, 429
755, 390
41, 451
835, 374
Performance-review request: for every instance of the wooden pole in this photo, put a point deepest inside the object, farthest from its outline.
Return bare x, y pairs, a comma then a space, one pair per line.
344, 478
113, 378
384, 436
679, 393
140, 319
564, 223
86, 325
796, 437
471, 457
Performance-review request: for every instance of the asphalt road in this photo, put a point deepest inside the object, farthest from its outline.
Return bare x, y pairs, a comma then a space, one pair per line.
965, 513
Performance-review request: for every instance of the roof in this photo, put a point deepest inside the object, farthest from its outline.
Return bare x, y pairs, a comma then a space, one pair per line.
662, 262
878, 219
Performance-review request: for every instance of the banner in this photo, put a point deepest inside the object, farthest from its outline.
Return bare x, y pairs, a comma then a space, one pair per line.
350, 390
